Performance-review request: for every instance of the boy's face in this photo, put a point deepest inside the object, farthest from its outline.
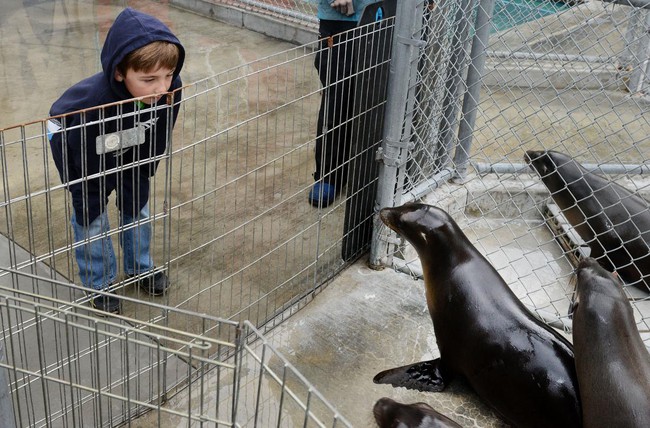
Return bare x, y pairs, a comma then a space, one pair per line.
147, 83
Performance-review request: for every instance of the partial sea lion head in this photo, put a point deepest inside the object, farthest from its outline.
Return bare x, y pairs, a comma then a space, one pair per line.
418, 223
556, 169
593, 279
392, 414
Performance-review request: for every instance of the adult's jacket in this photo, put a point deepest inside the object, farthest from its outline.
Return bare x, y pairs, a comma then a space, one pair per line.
99, 150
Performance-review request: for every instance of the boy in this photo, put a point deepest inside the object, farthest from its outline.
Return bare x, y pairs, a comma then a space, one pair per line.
98, 150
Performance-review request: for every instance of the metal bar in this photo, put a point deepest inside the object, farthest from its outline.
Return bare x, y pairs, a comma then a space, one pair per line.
288, 366
518, 168
6, 407
428, 185
454, 81
403, 51
471, 99
640, 4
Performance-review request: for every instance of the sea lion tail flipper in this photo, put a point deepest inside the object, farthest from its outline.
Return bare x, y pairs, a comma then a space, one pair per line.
423, 376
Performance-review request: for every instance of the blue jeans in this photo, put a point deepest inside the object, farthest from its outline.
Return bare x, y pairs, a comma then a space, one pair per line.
96, 258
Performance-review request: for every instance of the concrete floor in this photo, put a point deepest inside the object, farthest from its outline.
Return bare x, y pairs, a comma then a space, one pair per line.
372, 321
365, 321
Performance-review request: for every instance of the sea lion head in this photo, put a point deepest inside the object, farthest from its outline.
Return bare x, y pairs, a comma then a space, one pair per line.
392, 414
554, 168
420, 224
593, 279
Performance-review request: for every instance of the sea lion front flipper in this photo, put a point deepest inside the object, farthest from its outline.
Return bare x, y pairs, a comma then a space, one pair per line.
423, 376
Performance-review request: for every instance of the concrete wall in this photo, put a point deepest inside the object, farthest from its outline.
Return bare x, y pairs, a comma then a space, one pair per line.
258, 22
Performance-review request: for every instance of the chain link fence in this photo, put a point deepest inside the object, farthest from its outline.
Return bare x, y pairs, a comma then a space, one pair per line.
481, 94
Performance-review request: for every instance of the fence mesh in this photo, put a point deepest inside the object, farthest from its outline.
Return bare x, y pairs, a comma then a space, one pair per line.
231, 226
66, 366
570, 80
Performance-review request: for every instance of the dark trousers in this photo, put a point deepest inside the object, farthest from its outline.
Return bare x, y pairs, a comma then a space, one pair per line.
334, 62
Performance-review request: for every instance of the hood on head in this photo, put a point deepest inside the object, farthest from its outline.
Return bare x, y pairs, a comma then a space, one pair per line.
132, 30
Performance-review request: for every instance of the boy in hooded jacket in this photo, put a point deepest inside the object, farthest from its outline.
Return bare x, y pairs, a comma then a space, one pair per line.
103, 143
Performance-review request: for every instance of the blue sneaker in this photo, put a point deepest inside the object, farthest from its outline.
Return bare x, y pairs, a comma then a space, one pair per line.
322, 194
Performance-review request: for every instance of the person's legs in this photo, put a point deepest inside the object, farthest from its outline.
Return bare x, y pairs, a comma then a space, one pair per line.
135, 239
333, 62
96, 259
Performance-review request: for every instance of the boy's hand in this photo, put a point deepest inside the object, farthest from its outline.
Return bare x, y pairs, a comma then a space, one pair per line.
343, 6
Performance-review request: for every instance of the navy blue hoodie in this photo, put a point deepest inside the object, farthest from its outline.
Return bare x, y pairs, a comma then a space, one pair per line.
75, 135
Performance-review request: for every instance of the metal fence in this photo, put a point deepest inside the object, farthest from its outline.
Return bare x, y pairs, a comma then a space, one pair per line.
464, 100
66, 366
479, 96
230, 220
231, 226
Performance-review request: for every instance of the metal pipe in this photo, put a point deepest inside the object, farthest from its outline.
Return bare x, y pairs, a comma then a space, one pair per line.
474, 77
459, 44
518, 168
389, 155
639, 80
428, 185
549, 57
640, 4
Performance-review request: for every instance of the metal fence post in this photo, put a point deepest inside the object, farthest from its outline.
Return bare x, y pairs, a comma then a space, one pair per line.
6, 407
403, 67
640, 80
471, 99
453, 85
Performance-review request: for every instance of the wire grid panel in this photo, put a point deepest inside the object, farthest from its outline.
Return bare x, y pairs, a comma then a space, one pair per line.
67, 366
270, 391
229, 215
244, 240
559, 82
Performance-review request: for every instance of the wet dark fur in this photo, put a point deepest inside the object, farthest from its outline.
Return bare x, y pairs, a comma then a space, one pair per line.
518, 365
613, 221
612, 361
390, 414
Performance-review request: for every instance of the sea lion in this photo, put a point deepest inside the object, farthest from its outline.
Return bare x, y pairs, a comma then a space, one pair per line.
613, 221
521, 367
392, 414
612, 361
